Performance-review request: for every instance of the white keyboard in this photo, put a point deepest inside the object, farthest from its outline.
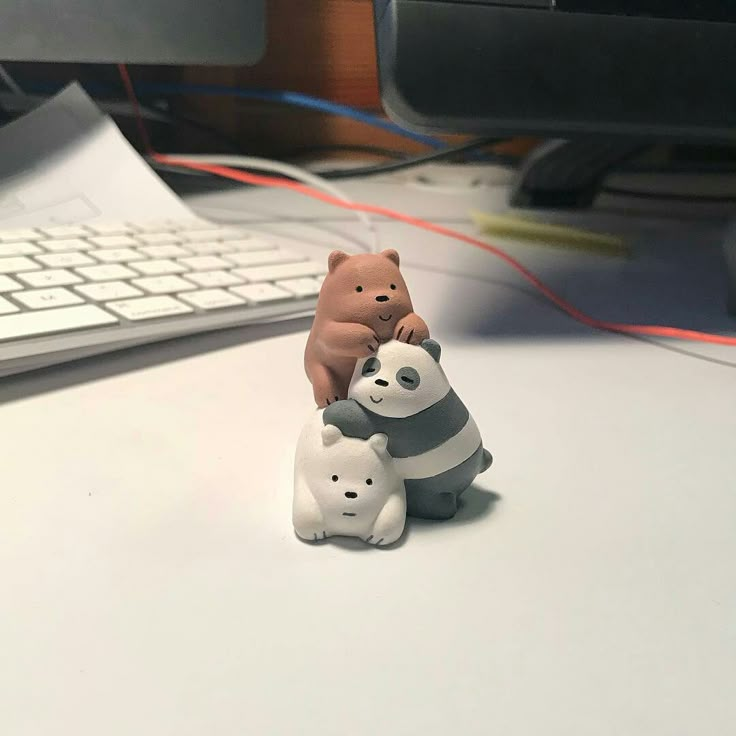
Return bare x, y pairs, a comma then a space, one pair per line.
75, 290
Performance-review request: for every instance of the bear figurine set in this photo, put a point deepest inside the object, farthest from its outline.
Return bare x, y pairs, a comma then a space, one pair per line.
390, 436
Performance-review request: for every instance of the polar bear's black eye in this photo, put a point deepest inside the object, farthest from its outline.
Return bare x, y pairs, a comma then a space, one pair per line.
369, 481
358, 289
371, 367
335, 479
408, 378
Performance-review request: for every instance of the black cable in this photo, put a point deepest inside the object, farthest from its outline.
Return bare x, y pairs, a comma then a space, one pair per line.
668, 196
410, 163
309, 151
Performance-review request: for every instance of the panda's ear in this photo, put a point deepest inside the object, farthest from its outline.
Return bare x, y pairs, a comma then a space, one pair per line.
391, 254
335, 259
379, 442
433, 348
330, 434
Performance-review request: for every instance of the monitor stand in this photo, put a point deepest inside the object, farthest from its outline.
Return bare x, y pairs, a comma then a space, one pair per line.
567, 174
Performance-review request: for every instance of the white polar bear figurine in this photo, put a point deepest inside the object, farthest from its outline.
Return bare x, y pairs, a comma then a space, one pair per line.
346, 486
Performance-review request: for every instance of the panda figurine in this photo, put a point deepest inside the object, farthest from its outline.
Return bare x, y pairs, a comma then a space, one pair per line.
402, 392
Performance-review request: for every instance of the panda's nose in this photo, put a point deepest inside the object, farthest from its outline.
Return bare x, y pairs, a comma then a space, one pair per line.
351, 494
381, 382
382, 298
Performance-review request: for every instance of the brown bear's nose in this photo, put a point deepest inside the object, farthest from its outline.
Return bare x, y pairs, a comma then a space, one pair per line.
382, 298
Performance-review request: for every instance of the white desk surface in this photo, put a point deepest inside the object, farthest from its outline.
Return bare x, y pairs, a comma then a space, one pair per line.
151, 582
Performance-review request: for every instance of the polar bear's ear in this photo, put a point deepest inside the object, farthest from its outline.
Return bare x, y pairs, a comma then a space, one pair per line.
433, 348
330, 434
335, 259
379, 442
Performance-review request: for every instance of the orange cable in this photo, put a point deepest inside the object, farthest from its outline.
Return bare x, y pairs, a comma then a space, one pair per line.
559, 301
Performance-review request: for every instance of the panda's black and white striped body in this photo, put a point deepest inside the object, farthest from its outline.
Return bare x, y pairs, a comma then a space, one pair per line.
402, 392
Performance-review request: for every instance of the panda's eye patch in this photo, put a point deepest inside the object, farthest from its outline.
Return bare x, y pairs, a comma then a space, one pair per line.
408, 378
335, 479
371, 367
358, 289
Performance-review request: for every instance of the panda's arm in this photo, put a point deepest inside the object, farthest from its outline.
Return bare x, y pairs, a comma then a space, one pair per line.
350, 418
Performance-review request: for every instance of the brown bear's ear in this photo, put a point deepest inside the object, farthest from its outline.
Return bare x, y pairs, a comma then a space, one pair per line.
335, 259
391, 254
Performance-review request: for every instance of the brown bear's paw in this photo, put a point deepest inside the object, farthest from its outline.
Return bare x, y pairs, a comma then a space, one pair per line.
326, 389
411, 329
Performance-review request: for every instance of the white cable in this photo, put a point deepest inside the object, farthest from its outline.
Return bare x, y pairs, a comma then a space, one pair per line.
293, 172
10, 83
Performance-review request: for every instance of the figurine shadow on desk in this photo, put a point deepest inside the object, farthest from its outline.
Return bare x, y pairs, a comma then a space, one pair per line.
363, 302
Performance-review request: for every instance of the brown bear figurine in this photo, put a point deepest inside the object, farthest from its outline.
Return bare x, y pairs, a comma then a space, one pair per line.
363, 302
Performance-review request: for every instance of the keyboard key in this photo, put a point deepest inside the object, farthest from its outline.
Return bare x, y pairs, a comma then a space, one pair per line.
281, 271
264, 257
252, 244
45, 298
210, 248
220, 233
213, 278
111, 272
108, 290
65, 231
7, 307
149, 308
53, 277
163, 284
110, 228
159, 238
16, 265
65, 245
212, 299
204, 263
117, 255
64, 260
28, 324
261, 293
7, 284
300, 287
164, 251
10, 236
113, 241
158, 268
23, 248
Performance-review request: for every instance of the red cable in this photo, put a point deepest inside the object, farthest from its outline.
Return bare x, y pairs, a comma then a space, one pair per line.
556, 299
561, 303
130, 91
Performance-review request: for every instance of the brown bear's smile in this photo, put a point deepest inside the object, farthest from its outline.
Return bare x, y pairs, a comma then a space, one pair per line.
385, 319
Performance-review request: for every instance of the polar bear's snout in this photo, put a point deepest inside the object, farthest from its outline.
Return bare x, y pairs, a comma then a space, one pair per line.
351, 494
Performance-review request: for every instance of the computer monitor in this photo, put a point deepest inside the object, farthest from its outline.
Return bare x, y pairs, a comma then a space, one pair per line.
611, 76
638, 68
133, 31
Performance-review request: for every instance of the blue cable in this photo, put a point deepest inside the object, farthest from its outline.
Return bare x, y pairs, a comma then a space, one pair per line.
287, 98
268, 95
